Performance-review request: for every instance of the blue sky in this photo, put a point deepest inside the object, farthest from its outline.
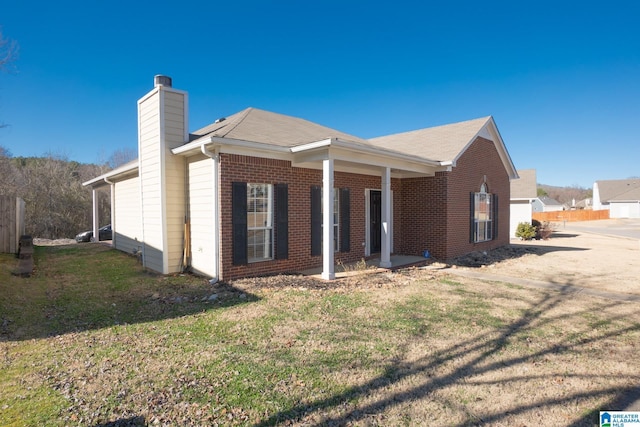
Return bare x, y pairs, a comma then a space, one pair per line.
561, 80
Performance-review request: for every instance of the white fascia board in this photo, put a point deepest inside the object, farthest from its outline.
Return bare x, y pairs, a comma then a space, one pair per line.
361, 148
193, 146
325, 143
502, 151
125, 169
354, 147
235, 146
489, 129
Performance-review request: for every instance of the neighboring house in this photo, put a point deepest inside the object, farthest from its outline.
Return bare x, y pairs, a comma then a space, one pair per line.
620, 196
260, 193
584, 204
523, 191
546, 204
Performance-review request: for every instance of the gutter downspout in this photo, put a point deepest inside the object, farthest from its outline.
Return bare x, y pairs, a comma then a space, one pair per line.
215, 157
113, 210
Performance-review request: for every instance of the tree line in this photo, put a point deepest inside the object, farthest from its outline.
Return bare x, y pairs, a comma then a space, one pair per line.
57, 205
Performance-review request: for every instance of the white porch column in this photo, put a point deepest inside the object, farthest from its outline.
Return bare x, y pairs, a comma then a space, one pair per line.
328, 269
96, 218
112, 190
385, 249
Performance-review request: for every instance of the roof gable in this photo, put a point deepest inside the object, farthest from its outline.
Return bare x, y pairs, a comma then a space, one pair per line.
448, 142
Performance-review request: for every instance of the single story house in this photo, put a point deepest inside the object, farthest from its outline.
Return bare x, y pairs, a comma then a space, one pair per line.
524, 191
546, 204
620, 196
258, 193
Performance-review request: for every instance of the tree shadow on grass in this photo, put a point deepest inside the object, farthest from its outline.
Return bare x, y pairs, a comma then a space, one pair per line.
480, 355
91, 286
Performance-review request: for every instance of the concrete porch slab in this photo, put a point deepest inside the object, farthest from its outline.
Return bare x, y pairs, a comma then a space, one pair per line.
397, 262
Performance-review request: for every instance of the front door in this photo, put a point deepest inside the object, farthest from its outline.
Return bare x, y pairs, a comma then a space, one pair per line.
375, 215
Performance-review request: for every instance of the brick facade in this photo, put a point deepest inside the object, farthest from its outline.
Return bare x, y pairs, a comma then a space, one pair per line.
436, 210
237, 168
429, 213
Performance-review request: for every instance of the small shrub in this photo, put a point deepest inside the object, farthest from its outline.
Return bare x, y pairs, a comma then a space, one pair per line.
545, 230
526, 231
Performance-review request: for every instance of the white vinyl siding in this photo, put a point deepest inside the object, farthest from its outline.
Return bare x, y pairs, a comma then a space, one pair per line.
201, 205
624, 209
162, 122
150, 157
520, 211
128, 219
174, 180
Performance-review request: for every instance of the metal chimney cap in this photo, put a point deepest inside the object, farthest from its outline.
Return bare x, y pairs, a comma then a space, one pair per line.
160, 80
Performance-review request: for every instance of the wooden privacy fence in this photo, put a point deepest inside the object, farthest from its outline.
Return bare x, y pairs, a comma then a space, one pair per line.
577, 215
11, 223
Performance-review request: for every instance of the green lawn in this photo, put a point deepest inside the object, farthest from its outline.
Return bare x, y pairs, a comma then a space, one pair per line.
92, 339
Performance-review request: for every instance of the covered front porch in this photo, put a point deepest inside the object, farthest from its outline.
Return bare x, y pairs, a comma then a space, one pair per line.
333, 155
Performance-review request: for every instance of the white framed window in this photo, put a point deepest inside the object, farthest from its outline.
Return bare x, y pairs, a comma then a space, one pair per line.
336, 218
482, 215
259, 222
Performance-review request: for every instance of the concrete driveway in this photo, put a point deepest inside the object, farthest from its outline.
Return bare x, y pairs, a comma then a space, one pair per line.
621, 227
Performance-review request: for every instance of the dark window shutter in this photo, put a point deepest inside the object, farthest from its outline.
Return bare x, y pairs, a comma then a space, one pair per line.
494, 215
316, 221
239, 222
345, 220
282, 221
472, 222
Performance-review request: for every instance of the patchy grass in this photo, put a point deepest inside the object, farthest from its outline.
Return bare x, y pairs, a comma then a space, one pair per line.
92, 339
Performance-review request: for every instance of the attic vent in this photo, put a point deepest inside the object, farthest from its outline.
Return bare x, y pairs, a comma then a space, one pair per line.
221, 119
160, 80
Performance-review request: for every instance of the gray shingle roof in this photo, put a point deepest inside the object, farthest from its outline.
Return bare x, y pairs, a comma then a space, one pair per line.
613, 189
632, 195
526, 186
442, 143
548, 201
257, 125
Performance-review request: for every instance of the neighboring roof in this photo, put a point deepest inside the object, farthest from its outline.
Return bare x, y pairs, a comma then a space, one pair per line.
584, 203
548, 201
619, 189
257, 125
526, 186
633, 195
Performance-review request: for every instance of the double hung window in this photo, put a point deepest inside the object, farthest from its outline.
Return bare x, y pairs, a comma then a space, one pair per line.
259, 222
482, 215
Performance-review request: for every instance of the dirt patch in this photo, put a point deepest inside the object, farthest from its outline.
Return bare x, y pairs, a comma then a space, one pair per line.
573, 258
53, 242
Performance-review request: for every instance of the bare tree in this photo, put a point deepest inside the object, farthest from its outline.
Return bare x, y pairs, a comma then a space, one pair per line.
10, 175
57, 203
120, 157
8, 52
